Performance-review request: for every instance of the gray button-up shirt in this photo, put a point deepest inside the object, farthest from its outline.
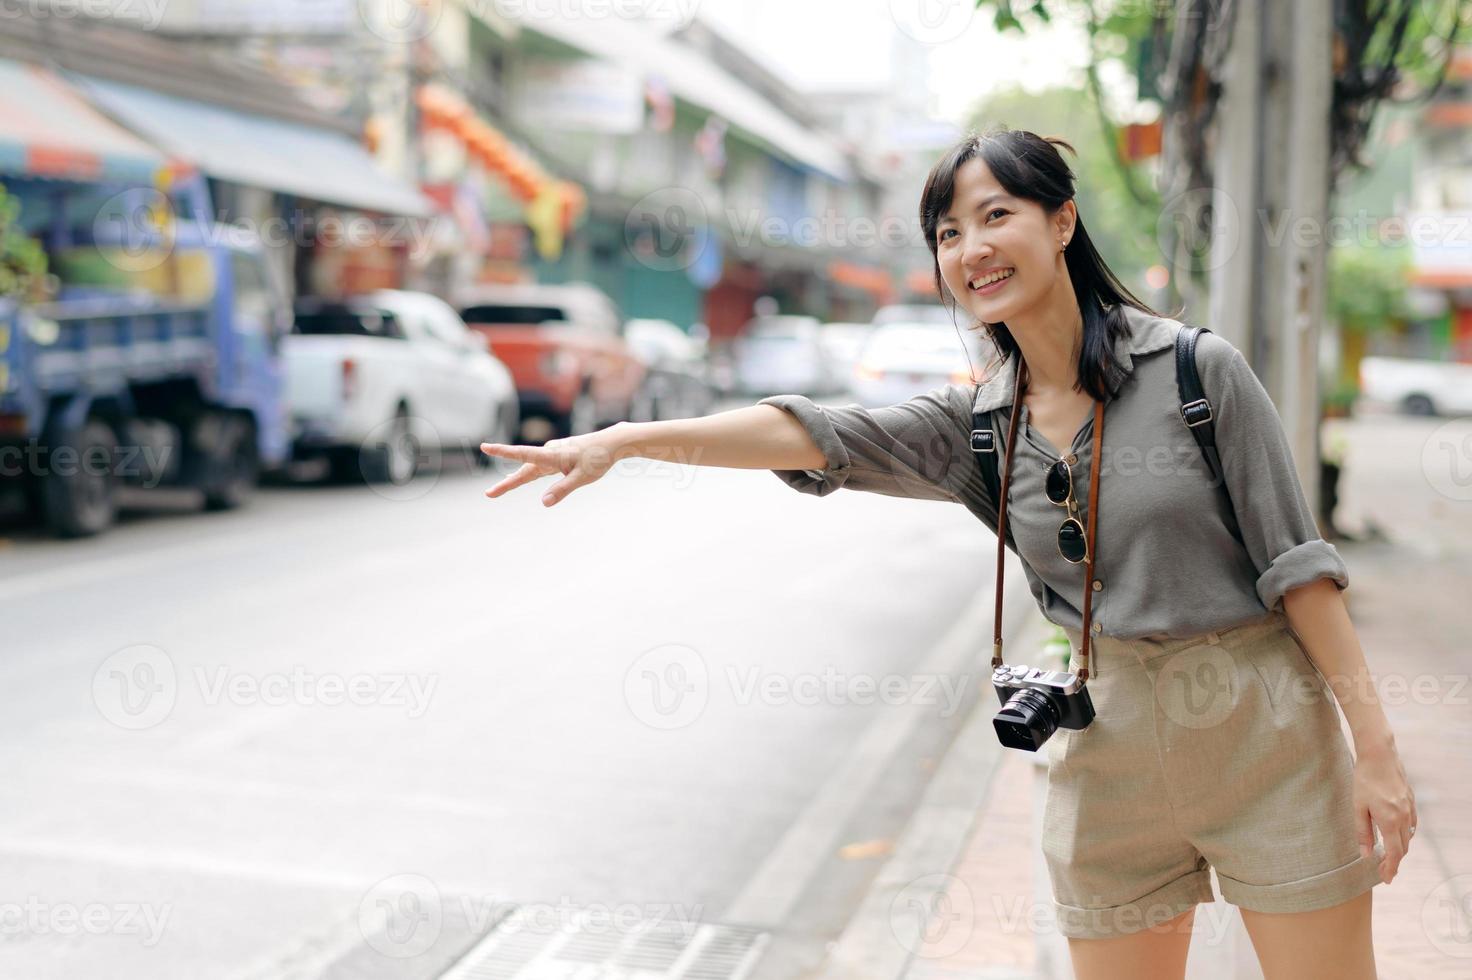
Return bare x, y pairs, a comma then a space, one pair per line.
1175, 557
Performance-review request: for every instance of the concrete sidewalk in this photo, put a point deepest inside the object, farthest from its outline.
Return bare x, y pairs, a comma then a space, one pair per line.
1412, 615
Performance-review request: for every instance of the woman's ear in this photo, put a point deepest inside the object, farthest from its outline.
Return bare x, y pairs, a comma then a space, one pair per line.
1065, 220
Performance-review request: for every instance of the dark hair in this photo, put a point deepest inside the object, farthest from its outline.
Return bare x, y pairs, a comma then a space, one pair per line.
1029, 166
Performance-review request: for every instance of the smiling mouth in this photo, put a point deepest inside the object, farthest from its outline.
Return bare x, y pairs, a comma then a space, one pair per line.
990, 284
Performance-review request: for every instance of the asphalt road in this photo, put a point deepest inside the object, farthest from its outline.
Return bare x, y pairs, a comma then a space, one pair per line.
345, 730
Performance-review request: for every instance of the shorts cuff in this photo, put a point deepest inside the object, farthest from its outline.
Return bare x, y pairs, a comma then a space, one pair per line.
1319, 891
1161, 905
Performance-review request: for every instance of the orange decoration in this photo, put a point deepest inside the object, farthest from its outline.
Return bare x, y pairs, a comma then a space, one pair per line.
442, 108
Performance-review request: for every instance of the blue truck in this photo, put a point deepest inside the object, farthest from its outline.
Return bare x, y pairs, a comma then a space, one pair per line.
155, 364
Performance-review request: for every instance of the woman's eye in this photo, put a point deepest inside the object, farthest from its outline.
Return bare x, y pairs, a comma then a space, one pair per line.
945, 231
996, 211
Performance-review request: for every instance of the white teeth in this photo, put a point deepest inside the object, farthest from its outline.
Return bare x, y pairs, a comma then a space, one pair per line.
978, 283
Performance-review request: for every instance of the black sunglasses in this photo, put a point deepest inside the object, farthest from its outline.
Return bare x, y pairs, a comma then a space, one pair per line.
1073, 543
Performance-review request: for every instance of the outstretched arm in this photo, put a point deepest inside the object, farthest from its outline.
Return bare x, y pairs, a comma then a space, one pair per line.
756, 437
759, 437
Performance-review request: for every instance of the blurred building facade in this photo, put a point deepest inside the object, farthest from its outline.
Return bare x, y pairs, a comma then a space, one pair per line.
1439, 217
662, 161
240, 145
893, 126
1411, 212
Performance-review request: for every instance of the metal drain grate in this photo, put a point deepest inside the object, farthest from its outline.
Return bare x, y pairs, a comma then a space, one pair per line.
520, 949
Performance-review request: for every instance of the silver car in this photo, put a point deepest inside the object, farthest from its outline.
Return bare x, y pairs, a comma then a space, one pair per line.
782, 355
902, 360
843, 343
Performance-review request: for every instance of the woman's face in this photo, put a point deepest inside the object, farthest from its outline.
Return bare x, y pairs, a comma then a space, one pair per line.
988, 233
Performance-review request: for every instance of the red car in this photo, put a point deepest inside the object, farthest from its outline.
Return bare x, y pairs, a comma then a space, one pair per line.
565, 348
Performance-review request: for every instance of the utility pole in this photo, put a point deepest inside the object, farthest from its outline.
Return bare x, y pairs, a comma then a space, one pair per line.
1272, 166
1267, 292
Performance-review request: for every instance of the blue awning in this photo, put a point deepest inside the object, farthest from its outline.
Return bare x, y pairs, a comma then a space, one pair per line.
47, 129
258, 151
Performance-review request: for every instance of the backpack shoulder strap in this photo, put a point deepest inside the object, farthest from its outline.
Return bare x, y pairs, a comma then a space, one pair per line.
984, 446
1196, 409
1196, 413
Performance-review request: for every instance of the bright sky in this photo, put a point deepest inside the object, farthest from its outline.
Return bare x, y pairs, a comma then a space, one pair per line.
827, 44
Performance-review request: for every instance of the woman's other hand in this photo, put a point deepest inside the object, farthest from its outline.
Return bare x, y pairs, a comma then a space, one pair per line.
1383, 796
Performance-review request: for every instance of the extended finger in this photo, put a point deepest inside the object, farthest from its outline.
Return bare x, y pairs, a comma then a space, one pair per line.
525, 474
526, 454
564, 486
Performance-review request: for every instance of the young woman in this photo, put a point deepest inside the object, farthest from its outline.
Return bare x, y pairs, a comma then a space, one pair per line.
1218, 629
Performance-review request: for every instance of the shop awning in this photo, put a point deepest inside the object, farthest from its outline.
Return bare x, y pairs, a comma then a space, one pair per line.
293, 158
47, 129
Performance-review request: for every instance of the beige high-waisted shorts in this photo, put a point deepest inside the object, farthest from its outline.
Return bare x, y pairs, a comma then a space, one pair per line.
1220, 751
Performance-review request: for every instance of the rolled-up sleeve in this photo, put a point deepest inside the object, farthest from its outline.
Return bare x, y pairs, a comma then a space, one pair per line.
1276, 523
920, 448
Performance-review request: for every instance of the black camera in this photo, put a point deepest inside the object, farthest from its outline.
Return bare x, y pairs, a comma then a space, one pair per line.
1036, 703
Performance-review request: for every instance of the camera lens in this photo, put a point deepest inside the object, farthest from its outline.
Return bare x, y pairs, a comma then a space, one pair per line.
1027, 720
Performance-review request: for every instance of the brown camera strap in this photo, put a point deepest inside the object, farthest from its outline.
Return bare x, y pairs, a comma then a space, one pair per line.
1018, 388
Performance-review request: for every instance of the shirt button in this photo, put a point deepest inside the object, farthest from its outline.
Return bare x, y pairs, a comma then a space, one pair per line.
1098, 627
1098, 585
1072, 458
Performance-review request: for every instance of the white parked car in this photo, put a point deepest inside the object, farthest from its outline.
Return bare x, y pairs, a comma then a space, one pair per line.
902, 360
1417, 387
377, 381
678, 383
783, 355
843, 343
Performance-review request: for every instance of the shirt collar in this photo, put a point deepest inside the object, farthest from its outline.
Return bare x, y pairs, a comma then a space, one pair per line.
1147, 334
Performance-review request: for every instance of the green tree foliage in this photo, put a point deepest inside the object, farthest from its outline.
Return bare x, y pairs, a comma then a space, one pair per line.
1367, 287
22, 261
1382, 51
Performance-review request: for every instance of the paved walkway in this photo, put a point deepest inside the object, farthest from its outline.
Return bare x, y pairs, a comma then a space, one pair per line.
991, 896
1413, 616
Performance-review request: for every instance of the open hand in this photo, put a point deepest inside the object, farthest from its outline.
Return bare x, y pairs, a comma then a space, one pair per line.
580, 459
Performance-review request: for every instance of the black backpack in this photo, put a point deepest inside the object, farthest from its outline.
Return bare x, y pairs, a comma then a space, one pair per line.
1195, 413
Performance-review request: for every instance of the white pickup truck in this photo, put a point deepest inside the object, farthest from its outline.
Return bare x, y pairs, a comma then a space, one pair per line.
1417, 387
378, 381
